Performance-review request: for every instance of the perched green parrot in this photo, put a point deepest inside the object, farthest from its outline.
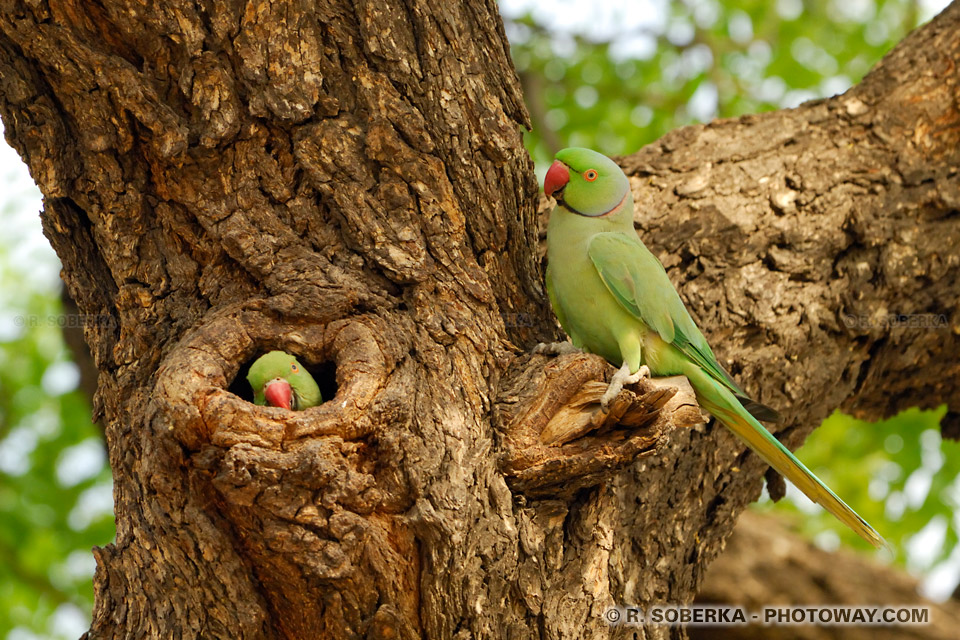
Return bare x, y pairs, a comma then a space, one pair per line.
614, 299
279, 380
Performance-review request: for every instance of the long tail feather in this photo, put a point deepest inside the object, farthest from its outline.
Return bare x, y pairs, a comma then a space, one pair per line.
722, 404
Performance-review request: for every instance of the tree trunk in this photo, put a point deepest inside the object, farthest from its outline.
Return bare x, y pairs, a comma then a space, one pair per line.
346, 181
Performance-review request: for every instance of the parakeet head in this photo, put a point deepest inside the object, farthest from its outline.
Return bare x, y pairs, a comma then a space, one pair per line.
586, 182
278, 380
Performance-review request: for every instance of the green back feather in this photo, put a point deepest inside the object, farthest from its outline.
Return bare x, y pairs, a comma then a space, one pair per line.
640, 284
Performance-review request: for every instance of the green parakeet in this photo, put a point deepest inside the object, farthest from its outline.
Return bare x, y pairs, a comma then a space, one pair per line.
279, 380
614, 299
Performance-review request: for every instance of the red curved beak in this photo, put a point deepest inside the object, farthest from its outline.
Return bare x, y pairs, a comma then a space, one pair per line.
557, 178
278, 393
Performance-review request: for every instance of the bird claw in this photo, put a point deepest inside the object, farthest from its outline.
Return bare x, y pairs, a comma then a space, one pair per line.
620, 378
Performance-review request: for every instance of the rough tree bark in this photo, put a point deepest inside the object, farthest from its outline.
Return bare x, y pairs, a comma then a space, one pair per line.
347, 181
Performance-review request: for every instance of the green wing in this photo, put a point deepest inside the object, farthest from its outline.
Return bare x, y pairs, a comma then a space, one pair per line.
639, 283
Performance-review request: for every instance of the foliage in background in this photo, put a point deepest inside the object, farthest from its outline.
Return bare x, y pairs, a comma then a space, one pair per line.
617, 76
56, 499
618, 79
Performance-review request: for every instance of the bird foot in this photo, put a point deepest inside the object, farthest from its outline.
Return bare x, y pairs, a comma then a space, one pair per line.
555, 348
621, 378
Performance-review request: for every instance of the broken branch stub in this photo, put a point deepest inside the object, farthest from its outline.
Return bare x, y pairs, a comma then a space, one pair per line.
557, 439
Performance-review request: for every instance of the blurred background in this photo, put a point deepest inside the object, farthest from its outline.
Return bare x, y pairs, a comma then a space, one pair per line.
609, 75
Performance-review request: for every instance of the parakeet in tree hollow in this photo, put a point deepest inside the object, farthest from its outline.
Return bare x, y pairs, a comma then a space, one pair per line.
279, 380
614, 299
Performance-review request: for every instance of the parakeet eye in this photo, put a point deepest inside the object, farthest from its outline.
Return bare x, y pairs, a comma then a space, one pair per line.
590, 175
293, 367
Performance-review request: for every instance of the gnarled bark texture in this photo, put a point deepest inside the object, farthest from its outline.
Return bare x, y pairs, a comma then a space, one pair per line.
346, 181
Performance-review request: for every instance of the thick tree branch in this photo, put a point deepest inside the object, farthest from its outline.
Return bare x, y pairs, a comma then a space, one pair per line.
817, 245
765, 564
